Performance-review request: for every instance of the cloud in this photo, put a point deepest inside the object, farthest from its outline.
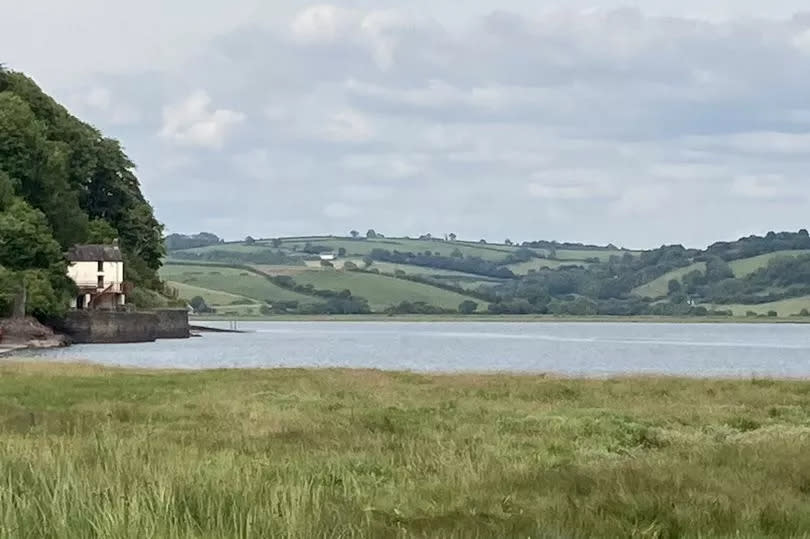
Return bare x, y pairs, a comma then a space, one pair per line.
321, 24
573, 123
768, 187
339, 210
192, 122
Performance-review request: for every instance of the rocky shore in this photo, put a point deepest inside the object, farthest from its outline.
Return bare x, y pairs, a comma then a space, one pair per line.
22, 333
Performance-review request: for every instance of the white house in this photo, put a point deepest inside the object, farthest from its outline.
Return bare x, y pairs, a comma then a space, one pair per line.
328, 257
98, 271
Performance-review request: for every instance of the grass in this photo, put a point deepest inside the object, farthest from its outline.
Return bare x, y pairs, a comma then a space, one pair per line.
582, 254
660, 287
784, 308
362, 247
94, 452
232, 281
747, 266
380, 291
522, 268
211, 297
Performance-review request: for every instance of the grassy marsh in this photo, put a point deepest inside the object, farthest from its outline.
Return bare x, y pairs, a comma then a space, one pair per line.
87, 451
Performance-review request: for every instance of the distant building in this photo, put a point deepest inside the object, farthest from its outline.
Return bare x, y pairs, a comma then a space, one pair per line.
98, 271
328, 257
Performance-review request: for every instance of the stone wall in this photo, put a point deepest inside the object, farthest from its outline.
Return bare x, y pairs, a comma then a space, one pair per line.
122, 327
172, 324
109, 326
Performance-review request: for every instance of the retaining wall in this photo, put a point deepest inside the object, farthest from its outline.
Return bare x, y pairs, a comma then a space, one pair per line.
123, 327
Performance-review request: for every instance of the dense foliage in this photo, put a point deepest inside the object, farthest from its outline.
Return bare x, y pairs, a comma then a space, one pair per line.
176, 242
61, 183
457, 262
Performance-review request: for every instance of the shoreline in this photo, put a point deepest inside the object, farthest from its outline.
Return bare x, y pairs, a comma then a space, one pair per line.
503, 318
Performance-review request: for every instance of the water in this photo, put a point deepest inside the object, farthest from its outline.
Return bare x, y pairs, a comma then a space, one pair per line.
580, 349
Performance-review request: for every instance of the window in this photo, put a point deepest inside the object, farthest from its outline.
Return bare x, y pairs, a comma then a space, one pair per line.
101, 281
100, 266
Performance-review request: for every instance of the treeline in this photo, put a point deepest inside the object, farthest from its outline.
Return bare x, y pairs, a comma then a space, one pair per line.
759, 245
175, 242
782, 278
459, 262
62, 183
258, 256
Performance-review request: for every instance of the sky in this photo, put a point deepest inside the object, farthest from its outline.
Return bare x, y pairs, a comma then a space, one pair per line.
633, 123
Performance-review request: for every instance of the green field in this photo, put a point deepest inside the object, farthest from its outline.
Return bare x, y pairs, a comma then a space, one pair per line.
522, 268
747, 266
94, 452
211, 297
379, 290
785, 307
231, 280
582, 254
363, 247
659, 287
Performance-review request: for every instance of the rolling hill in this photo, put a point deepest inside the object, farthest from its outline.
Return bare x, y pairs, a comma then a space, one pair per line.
309, 273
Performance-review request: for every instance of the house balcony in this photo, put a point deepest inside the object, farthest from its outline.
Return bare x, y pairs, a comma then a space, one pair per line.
92, 287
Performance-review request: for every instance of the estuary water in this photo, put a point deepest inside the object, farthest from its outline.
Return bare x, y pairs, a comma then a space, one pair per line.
575, 349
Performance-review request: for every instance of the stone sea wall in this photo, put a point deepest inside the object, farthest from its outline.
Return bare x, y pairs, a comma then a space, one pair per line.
124, 327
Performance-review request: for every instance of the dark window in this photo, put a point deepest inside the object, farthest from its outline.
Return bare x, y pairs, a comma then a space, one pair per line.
100, 266
101, 281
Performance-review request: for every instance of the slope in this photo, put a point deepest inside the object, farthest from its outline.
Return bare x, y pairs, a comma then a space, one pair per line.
381, 291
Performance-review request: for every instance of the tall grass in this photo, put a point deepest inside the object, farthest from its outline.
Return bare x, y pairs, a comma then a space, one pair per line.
93, 452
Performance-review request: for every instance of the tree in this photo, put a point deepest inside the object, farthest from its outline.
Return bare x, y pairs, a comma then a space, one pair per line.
371, 234
276, 242
199, 305
354, 234
368, 261
350, 266
249, 240
457, 253
100, 231
453, 236
342, 251
507, 241
482, 241
467, 307
674, 286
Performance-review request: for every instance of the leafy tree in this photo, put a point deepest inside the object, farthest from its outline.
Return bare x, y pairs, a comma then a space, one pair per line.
453, 236
342, 251
674, 286
354, 234
368, 261
350, 266
199, 305
507, 241
467, 307
276, 242
100, 231
250, 240
371, 234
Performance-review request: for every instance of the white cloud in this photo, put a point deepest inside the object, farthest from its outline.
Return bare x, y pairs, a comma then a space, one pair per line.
339, 210
193, 123
348, 126
766, 187
322, 23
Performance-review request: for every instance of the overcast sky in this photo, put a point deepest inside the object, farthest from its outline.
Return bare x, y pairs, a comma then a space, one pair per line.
637, 123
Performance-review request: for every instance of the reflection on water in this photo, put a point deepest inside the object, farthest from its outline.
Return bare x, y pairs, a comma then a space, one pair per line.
589, 349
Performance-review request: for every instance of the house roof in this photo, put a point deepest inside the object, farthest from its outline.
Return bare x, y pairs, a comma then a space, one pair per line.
94, 253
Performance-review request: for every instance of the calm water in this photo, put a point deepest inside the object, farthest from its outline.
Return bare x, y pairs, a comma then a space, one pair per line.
589, 349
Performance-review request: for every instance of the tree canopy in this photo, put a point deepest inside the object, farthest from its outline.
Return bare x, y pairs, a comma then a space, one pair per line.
61, 183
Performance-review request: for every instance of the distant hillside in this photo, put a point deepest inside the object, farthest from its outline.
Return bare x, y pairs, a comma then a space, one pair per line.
751, 276
62, 182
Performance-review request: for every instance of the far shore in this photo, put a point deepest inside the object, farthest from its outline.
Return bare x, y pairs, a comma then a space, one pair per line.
502, 318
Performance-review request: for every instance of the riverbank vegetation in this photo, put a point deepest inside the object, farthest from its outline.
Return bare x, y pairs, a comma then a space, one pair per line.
87, 451
61, 183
